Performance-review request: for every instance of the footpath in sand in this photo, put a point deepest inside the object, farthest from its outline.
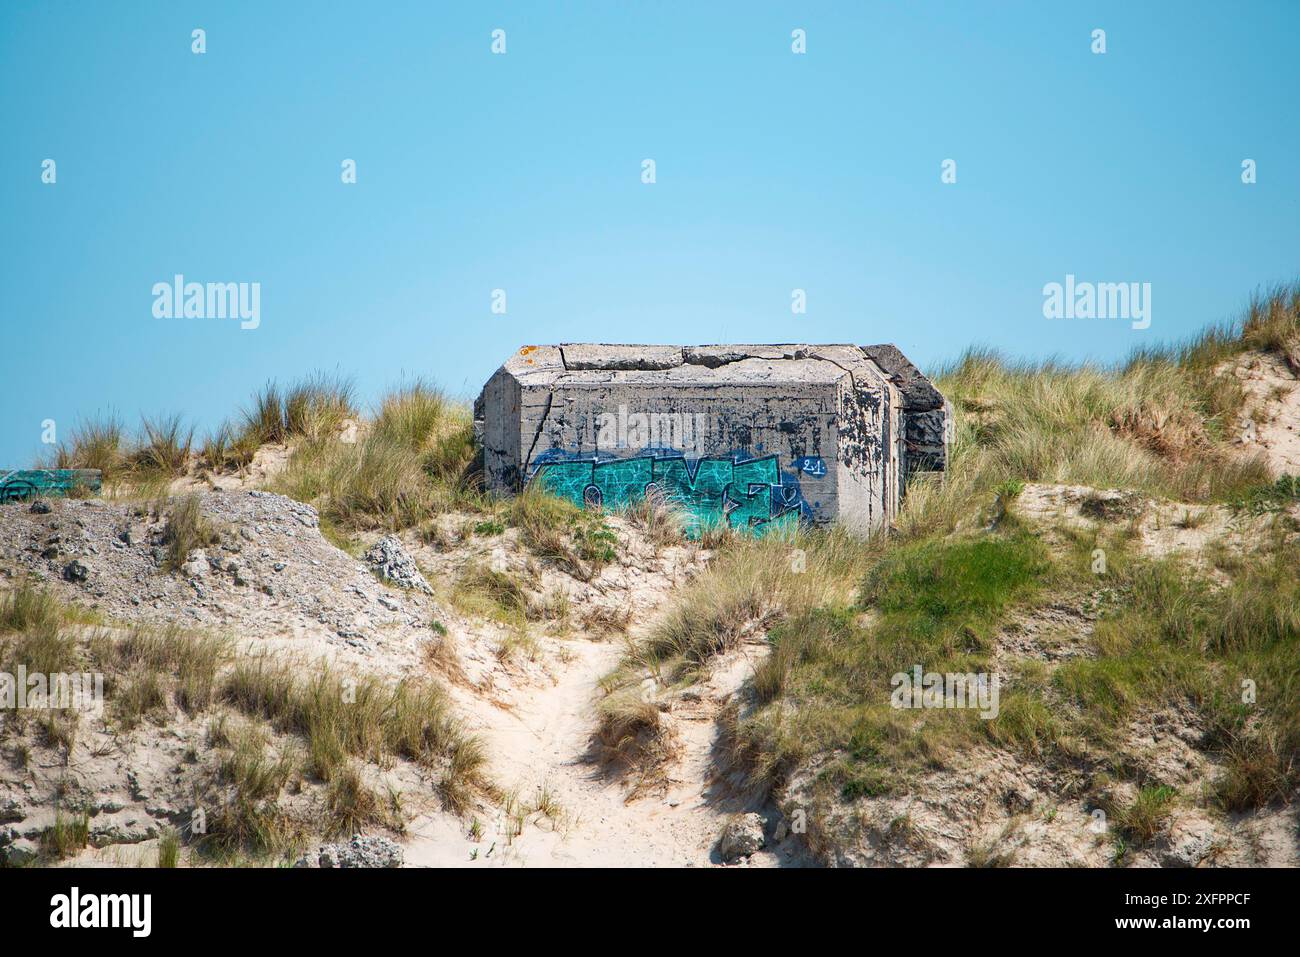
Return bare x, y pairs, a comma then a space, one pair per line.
560, 806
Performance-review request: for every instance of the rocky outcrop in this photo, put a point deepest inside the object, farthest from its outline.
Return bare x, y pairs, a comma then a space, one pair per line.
375, 851
389, 560
742, 836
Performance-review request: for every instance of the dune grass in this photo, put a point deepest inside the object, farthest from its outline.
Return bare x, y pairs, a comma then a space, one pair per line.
273, 721
159, 450
67, 835
313, 408
959, 566
341, 716
185, 530
407, 464
554, 529
100, 442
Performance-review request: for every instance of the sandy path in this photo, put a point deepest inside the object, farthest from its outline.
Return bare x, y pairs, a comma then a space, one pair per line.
542, 743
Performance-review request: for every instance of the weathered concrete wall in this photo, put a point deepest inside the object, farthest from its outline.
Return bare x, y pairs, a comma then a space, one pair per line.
927, 415
757, 437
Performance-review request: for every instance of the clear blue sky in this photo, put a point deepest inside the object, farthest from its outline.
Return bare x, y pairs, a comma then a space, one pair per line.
775, 171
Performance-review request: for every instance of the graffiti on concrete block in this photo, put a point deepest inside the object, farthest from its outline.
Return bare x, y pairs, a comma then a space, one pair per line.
811, 465
16, 485
732, 490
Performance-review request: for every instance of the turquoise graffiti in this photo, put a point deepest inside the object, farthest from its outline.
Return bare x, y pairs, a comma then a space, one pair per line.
740, 492
17, 485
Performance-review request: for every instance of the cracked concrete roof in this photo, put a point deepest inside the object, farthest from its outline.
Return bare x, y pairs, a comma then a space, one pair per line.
599, 363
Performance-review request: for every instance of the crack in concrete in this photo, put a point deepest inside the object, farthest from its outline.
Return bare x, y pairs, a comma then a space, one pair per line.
541, 425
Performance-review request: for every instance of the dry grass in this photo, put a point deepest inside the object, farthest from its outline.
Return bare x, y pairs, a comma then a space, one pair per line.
1148, 428
66, 835
32, 634
28, 607
490, 593
657, 520
165, 674
161, 450
936, 593
1271, 323
632, 735
169, 849
165, 446
555, 530
341, 716
97, 443
248, 763
186, 530
1140, 821
352, 806
751, 584
246, 815
228, 448
409, 463
194, 659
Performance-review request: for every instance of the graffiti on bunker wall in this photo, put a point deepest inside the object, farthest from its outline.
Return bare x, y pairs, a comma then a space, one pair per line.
740, 491
16, 485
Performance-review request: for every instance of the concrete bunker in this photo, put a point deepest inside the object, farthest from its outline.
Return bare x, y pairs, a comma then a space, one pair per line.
751, 436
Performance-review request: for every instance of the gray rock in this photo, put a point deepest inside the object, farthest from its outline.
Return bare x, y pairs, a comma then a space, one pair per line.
361, 851
390, 561
122, 829
11, 809
1189, 842
41, 507
238, 573
21, 851
75, 571
741, 837
196, 564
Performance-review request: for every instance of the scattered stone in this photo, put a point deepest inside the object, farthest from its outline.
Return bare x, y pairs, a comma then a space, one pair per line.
741, 837
41, 507
122, 829
359, 852
238, 573
1190, 841
22, 851
76, 572
390, 561
1019, 797
196, 564
11, 810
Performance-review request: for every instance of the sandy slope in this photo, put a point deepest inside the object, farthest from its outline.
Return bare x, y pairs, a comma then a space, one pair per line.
1272, 408
540, 746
